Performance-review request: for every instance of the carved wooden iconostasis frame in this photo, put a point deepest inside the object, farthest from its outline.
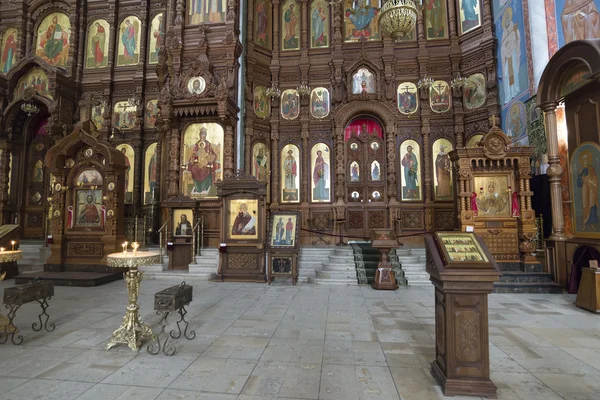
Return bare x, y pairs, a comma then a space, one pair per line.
337, 63
180, 245
495, 197
243, 233
283, 243
88, 184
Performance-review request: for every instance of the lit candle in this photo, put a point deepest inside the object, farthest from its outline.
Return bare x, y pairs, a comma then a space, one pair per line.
124, 247
135, 246
13, 244
1, 249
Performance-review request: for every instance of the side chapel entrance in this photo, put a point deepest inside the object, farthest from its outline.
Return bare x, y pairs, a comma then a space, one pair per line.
365, 175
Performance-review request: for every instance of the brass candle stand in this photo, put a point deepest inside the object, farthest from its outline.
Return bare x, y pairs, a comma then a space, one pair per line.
132, 331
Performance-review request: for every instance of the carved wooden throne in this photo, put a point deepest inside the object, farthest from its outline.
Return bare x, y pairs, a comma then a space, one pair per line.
86, 202
495, 196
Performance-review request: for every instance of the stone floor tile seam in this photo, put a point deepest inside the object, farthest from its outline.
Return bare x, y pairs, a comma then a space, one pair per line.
323, 348
261, 355
556, 349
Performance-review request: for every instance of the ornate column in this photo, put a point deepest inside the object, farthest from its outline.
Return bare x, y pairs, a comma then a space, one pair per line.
173, 176
451, 21
306, 186
160, 131
304, 32
392, 187
4, 176
276, 19
138, 184
275, 163
248, 148
554, 171
228, 150
340, 186
29, 41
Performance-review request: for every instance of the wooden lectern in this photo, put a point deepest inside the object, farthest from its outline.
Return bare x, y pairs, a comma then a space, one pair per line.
384, 240
463, 273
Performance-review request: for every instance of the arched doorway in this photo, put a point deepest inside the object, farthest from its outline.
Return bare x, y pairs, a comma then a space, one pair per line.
365, 166
571, 77
29, 188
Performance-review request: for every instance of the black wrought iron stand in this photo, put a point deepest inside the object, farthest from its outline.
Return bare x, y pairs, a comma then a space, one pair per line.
166, 302
15, 296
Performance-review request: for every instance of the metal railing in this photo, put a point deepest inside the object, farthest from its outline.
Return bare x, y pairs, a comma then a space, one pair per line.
135, 230
198, 237
162, 238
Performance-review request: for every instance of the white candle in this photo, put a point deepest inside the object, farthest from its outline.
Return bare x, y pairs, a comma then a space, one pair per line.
124, 247
13, 244
1, 249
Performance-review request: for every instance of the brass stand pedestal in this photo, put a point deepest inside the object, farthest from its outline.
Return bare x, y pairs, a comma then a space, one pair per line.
132, 331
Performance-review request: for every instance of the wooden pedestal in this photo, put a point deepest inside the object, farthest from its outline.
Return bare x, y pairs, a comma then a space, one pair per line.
242, 264
384, 240
181, 254
588, 295
462, 359
384, 279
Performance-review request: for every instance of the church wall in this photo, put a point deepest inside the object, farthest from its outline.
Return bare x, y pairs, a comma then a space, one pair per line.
513, 66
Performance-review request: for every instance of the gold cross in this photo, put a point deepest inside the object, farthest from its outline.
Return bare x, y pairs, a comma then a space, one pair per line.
494, 120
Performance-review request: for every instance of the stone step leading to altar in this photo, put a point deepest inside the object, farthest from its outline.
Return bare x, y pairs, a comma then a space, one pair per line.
332, 266
35, 254
203, 267
412, 260
309, 260
525, 279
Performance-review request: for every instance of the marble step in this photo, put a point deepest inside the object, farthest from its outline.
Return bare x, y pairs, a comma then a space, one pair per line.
518, 276
341, 258
336, 282
414, 279
339, 267
310, 263
528, 287
409, 259
413, 270
316, 250
336, 274
343, 250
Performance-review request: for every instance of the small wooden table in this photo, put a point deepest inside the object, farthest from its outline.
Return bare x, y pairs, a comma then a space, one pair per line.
588, 295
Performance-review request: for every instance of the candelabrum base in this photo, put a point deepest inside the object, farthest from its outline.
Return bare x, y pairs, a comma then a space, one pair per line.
5, 325
132, 331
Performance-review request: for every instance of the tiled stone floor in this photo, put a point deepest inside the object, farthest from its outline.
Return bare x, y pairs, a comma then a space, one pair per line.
305, 342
